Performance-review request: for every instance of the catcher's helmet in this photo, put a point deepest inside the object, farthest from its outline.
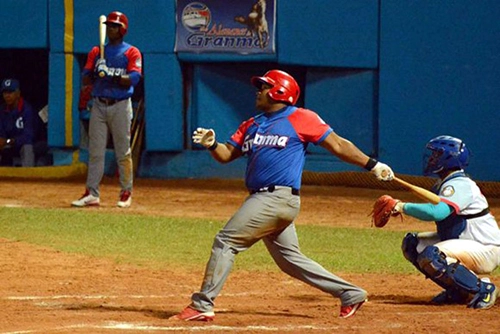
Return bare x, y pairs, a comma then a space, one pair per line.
120, 19
445, 153
284, 87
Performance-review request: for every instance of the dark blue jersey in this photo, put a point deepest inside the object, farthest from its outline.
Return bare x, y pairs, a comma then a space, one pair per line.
17, 123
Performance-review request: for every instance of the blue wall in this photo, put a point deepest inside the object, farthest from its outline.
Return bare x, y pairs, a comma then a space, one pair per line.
328, 33
388, 75
24, 23
439, 74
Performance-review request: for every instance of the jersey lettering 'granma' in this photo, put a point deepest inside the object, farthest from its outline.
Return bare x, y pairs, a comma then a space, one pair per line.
270, 140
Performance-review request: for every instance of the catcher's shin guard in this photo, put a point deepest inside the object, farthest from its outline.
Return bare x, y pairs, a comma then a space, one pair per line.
454, 276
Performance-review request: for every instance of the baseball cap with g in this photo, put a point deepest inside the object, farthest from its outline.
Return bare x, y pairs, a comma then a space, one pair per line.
10, 85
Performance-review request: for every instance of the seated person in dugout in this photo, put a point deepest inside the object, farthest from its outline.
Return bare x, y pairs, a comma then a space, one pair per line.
16, 127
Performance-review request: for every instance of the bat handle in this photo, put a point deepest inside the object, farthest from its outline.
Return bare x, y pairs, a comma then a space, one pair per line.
403, 182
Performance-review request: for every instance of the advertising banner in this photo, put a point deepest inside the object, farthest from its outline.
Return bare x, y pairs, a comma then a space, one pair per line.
235, 26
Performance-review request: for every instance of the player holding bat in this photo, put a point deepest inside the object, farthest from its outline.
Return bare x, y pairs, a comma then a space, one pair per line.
113, 74
274, 142
467, 241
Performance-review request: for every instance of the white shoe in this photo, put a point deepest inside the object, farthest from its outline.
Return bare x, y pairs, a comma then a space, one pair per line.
125, 199
86, 200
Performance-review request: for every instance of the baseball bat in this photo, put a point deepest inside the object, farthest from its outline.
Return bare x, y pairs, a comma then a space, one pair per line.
102, 39
420, 192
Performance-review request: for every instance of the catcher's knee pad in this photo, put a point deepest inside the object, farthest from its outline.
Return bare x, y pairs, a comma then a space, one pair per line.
433, 264
409, 247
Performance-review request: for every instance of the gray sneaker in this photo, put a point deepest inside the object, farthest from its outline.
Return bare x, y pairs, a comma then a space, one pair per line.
86, 200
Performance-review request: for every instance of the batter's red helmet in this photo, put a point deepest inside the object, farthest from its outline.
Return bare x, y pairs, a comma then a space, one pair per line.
284, 87
120, 19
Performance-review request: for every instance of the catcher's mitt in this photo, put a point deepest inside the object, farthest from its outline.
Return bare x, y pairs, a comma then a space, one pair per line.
383, 209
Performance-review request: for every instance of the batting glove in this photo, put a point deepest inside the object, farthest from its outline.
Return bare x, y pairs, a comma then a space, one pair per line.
99, 62
204, 137
383, 172
101, 69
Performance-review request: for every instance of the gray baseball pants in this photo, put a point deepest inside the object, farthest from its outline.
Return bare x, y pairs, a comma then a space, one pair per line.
268, 216
117, 119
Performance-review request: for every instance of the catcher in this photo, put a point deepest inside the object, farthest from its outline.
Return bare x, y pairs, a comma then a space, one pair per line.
467, 241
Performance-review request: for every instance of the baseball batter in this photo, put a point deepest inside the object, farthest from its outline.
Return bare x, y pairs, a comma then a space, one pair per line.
121, 71
275, 143
467, 241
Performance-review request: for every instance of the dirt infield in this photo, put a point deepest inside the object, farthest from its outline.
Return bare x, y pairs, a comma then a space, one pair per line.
45, 291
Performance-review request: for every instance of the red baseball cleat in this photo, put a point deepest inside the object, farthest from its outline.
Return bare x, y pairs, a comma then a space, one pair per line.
190, 314
350, 310
125, 199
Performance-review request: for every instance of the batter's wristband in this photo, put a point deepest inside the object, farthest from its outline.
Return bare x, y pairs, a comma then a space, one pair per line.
370, 164
214, 146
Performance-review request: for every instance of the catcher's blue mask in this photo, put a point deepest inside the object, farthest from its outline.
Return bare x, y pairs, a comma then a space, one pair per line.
445, 153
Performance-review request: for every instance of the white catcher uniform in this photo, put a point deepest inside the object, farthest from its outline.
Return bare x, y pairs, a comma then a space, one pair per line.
470, 234
467, 238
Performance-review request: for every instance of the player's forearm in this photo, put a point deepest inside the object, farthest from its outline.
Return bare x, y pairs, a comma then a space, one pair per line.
427, 211
345, 150
222, 153
128, 80
351, 154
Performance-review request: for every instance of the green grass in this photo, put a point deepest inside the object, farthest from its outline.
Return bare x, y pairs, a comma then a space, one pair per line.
161, 241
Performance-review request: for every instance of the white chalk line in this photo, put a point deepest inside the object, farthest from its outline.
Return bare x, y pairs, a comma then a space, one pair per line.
143, 327
85, 297
28, 298
8, 205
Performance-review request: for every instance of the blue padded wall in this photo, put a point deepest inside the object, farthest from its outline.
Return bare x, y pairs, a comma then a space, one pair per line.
151, 23
57, 101
188, 164
164, 109
344, 100
439, 75
341, 33
24, 24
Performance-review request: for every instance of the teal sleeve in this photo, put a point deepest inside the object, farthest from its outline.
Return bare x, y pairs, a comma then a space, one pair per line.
428, 211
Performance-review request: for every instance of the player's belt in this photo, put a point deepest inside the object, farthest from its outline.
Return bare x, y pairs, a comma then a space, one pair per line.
108, 101
271, 189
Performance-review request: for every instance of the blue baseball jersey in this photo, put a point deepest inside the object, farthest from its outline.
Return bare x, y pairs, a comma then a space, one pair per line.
17, 123
276, 143
121, 59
